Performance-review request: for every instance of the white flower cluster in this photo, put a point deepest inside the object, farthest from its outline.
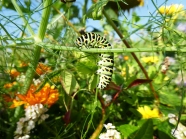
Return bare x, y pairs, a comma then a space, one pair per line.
36, 81
180, 131
111, 133
107, 98
33, 114
21, 78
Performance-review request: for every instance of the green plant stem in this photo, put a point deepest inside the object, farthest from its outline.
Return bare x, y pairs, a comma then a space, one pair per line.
41, 32
133, 54
114, 50
16, 6
93, 50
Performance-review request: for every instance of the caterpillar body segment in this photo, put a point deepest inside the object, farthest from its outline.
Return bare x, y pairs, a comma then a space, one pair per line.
106, 55
105, 70
106, 63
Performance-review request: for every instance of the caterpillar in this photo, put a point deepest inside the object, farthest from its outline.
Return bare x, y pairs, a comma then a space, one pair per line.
106, 63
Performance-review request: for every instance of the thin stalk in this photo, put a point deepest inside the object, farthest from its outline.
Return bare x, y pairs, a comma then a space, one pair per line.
67, 21
128, 46
114, 50
16, 6
99, 127
41, 33
92, 50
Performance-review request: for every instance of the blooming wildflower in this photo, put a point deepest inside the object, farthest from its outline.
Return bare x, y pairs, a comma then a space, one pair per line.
107, 98
147, 113
122, 57
21, 78
30, 112
13, 73
125, 58
150, 59
131, 69
109, 126
42, 69
47, 95
111, 133
34, 113
30, 126
42, 118
180, 131
36, 82
22, 137
9, 85
123, 72
172, 9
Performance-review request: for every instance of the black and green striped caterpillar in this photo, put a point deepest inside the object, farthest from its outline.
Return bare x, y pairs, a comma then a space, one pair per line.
92, 40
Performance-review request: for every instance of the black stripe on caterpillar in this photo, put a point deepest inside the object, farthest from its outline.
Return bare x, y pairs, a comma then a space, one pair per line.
93, 40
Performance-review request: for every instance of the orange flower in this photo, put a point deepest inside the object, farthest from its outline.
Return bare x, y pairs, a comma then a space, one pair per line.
7, 97
9, 85
46, 96
42, 69
23, 64
126, 58
13, 73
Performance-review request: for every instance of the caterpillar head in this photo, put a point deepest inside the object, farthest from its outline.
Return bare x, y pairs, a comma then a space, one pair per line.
79, 42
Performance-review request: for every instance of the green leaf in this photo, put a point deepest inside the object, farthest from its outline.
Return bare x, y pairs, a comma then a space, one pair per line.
145, 131
69, 82
169, 98
95, 11
135, 17
93, 81
87, 65
127, 130
164, 130
117, 78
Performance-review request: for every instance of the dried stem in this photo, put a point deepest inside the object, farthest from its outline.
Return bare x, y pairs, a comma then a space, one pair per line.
133, 54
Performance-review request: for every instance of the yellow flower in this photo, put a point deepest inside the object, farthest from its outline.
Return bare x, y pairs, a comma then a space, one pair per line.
123, 72
46, 96
172, 9
130, 70
147, 112
150, 59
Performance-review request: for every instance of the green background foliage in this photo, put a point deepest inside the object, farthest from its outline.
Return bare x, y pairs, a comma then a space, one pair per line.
45, 32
